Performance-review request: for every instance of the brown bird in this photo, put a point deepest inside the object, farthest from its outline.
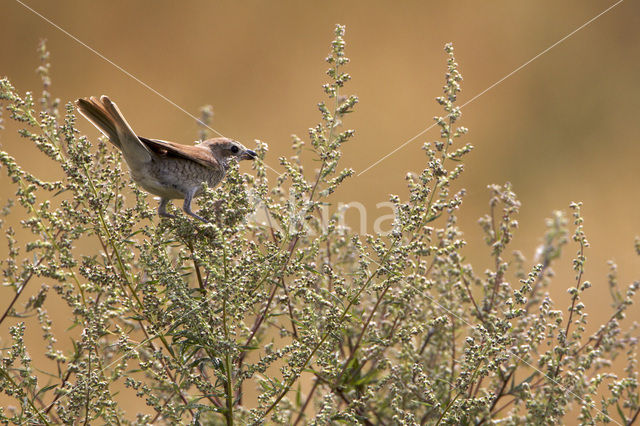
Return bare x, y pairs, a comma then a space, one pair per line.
167, 169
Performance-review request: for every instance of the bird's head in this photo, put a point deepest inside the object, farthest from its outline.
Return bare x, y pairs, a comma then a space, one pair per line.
225, 149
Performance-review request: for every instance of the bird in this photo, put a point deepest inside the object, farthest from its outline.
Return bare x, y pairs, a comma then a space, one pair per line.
167, 169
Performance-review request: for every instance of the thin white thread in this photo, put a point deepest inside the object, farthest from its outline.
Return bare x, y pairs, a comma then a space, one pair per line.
373, 165
119, 67
494, 85
129, 74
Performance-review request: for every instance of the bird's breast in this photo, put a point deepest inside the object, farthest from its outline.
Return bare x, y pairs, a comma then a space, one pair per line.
174, 177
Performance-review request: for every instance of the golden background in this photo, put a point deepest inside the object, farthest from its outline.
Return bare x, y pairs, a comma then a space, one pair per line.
562, 128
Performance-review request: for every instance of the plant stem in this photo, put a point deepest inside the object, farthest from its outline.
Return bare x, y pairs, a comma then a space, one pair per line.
227, 361
306, 402
327, 334
15, 385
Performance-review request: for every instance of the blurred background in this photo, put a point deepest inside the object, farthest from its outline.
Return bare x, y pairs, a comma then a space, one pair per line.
563, 128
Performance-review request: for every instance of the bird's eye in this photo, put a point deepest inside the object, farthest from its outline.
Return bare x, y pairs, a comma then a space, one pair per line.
235, 149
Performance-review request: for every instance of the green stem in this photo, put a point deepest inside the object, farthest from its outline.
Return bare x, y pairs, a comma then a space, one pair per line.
328, 333
7, 376
473, 377
228, 364
129, 285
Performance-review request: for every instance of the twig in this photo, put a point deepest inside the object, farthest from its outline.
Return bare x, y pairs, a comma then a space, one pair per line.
634, 418
306, 401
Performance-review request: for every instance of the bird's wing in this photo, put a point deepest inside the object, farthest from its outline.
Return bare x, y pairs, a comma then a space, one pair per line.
199, 154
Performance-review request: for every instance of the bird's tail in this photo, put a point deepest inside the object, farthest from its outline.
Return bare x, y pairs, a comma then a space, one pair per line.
107, 118
94, 111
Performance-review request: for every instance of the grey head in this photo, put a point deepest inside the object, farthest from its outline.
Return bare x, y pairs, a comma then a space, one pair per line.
225, 149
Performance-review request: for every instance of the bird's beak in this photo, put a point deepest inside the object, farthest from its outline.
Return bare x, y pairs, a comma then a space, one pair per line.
248, 155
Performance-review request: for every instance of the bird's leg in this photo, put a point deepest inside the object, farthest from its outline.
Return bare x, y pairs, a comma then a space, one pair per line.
187, 206
162, 208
